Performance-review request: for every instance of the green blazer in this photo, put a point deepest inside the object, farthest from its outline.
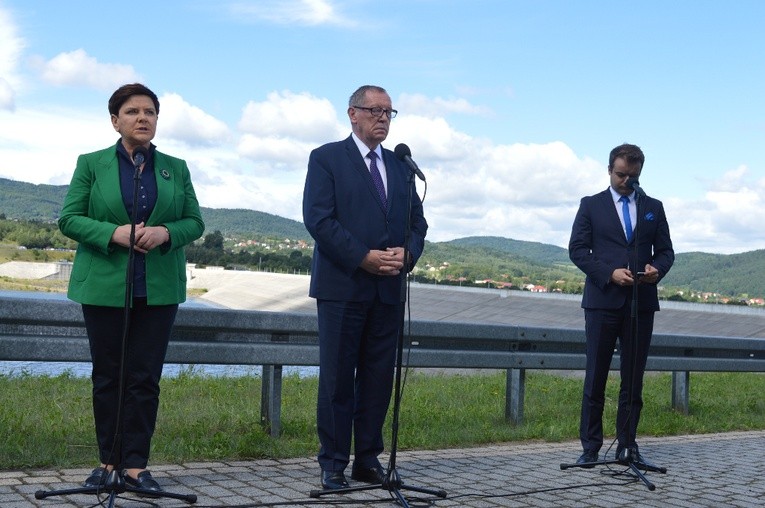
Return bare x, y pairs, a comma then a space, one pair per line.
94, 208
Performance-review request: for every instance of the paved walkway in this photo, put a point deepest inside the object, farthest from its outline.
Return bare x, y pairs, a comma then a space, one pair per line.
714, 470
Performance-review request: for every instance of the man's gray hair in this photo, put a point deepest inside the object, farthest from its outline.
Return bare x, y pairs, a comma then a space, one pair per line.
357, 97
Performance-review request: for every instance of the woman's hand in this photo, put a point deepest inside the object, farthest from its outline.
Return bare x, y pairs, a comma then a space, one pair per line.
146, 237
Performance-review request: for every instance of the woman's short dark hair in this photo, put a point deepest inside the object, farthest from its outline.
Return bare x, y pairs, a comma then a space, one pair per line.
123, 93
632, 154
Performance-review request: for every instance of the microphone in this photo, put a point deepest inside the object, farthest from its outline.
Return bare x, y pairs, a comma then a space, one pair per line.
140, 154
404, 154
634, 184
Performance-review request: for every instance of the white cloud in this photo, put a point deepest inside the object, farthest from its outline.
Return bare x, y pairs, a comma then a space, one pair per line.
41, 146
475, 187
292, 12
729, 219
11, 46
7, 96
180, 120
431, 138
267, 193
286, 114
515, 191
273, 151
522, 191
419, 104
284, 129
77, 68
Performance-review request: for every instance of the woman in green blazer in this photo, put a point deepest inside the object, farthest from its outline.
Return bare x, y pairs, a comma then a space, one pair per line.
97, 214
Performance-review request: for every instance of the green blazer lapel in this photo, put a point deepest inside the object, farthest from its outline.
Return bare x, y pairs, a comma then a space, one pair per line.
107, 181
165, 174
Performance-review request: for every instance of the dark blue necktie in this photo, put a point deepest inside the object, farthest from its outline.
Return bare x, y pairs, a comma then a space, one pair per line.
377, 178
626, 213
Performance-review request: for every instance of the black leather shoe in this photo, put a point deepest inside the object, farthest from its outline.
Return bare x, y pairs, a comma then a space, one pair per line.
374, 474
144, 482
97, 478
631, 455
642, 463
586, 458
333, 480
626, 454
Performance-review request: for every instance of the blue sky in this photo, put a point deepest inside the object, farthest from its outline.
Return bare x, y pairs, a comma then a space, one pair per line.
510, 108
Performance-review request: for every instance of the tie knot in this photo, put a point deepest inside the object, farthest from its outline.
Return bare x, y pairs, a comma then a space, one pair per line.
624, 199
372, 155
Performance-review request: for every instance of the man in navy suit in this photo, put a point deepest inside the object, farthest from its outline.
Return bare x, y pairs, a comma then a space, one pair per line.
619, 238
356, 207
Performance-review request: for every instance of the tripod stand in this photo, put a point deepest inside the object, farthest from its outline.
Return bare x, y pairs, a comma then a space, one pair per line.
115, 483
603, 322
114, 486
626, 458
392, 481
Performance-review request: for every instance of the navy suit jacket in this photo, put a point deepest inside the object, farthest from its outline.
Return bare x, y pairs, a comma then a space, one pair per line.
345, 216
598, 246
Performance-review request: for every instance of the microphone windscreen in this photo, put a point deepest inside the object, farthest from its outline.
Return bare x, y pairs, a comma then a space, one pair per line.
633, 182
402, 151
140, 154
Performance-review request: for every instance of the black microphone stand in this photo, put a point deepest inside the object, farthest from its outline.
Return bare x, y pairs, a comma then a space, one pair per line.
392, 482
115, 482
628, 456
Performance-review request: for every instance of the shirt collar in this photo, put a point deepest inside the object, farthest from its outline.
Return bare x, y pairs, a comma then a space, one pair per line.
123, 152
364, 149
616, 196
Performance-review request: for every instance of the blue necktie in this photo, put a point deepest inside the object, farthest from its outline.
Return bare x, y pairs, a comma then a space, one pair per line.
377, 178
626, 213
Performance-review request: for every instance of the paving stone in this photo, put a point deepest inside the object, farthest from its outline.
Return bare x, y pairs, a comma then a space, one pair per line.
708, 470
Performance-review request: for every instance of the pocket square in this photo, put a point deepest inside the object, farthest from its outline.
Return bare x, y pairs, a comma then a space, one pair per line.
650, 216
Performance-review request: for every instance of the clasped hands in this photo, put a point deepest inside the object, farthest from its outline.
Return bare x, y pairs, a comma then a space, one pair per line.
384, 262
146, 237
624, 277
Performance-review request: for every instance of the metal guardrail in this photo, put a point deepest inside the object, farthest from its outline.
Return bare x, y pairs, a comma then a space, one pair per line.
53, 330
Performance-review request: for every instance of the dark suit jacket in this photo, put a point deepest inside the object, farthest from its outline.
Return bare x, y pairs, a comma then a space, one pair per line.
344, 214
598, 246
93, 209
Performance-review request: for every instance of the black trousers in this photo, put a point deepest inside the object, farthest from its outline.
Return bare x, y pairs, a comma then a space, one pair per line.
357, 354
147, 341
603, 328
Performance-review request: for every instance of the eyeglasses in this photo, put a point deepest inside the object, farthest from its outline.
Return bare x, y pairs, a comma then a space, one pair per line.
391, 113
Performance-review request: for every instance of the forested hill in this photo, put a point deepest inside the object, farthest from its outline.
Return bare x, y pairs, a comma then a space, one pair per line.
242, 222
471, 258
731, 274
21, 200
27, 201
540, 252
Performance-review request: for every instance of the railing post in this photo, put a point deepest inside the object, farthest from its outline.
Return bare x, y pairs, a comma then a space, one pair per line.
514, 394
271, 393
680, 391
271, 399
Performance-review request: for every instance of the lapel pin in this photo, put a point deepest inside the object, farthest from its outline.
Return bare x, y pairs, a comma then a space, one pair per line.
165, 174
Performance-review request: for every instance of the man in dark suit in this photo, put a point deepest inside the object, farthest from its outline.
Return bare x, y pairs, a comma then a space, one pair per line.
619, 238
356, 207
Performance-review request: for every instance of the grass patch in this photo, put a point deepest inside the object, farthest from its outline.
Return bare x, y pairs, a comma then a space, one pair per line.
10, 252
39, 285
47, 421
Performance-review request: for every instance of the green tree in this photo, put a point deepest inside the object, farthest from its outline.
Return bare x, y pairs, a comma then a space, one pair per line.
214, 241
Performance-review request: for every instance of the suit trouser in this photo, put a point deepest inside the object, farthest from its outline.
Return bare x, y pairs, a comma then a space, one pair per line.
357, 351
147, 341
603, 327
